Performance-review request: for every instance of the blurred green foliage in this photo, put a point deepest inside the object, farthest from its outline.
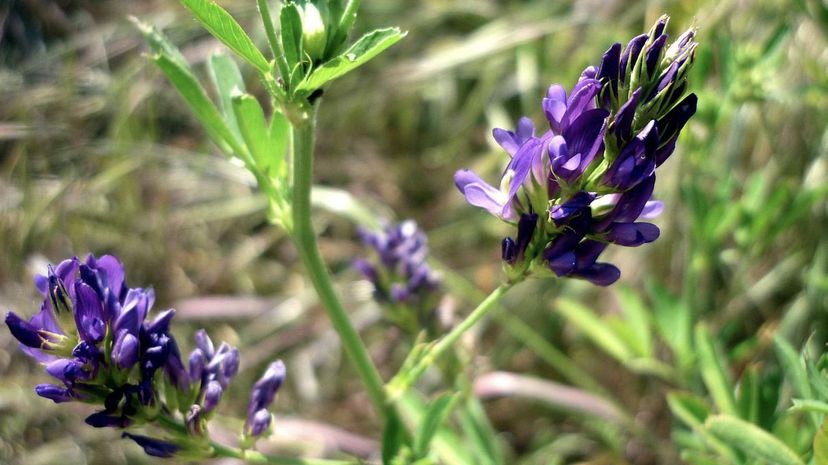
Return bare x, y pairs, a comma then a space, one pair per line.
98, 153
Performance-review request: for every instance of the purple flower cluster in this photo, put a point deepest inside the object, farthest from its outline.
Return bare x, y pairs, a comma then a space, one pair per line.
93, 335
586, 181
400, 273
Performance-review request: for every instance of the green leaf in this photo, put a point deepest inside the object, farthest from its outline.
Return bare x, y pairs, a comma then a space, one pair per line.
254, 130
638, 321
279, 140
752, 440
393, 439
291, 22
791, 363
203, 108
689, 408
227, 80
821, 445
594, 329
367, 47
223, 27
713, 371
434, 417
159, 43
479, 432
748, 396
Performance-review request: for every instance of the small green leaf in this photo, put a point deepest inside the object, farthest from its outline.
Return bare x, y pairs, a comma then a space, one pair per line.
752, 440
434, 417
291, 22
713, 371
821, 445
254, 130
279, 139
199, 103
367, 47
594, 329
223, 27
227, 80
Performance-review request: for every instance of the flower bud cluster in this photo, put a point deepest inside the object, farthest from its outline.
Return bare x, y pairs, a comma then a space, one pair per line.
325, 26
93, 335
400, 273
584, 182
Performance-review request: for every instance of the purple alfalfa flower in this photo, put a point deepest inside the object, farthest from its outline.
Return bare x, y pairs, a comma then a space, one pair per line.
645, 83
589, 179
401, 274
210, 371
262, 395
154, 447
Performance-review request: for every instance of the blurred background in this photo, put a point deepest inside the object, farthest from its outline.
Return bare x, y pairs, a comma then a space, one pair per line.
99, 154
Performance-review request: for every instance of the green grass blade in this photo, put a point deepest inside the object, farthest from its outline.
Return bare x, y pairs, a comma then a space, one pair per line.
713, 371
752, 440
595, 329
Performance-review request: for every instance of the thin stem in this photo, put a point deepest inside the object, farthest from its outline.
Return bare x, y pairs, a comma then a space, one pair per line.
270, 31
304, 126
407, 377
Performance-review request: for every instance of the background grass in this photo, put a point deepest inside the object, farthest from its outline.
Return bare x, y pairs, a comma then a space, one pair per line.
98, 153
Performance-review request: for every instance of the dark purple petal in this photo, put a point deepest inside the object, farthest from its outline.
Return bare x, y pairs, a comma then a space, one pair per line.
508, 251
197, 363
57, 394
366, 269
652, 209
526, 231
130, 320
105, 420
113, 270
231, 363
671, 124
42, 284
587, 253
602, 274
259, 423
577, 205
24, 331
89, 313
624, 118
654, 54
266, 387
630, 55
632, 234
212, 396
204, 343
554, 107
152, 446
125, 350
161, 323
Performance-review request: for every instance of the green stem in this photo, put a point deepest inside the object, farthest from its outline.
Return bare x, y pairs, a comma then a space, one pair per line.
405, 379
304, 125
